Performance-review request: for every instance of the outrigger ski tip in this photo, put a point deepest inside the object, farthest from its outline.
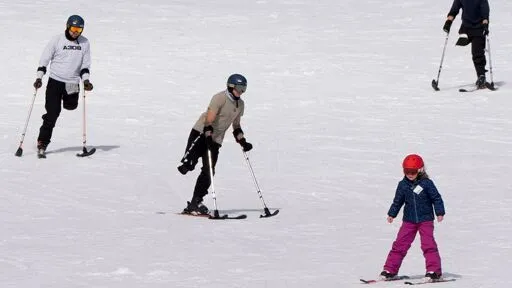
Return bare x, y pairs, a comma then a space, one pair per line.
435, 85
268, 214
86, 153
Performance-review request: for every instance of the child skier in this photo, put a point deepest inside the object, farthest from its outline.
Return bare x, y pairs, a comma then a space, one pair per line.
419, 194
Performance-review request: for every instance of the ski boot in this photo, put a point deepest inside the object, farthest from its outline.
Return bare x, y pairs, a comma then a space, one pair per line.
480, 82
196, 209
432, 277
41, 149
386, 276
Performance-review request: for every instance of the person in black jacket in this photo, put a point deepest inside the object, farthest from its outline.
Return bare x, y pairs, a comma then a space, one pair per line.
474, 29
422, 204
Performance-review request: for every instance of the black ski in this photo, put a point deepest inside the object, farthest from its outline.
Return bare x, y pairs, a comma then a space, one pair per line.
86, 153
219, 217
488, 85
468, 90
430, 281
191, 215
226, 216
403, 277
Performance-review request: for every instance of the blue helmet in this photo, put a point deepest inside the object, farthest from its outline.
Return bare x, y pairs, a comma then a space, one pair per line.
75, 21
238, 82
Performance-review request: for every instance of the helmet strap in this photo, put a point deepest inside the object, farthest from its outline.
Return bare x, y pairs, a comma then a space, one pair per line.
232, 96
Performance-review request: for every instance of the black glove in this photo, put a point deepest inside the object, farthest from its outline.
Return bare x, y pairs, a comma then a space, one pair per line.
486, 29
38, 83
447, 26
245, 145
208, 131
87, 85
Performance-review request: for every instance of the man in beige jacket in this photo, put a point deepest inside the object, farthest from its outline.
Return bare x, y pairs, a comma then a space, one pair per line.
225, 109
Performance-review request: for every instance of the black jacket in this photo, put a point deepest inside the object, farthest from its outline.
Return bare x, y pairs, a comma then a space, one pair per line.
473, 12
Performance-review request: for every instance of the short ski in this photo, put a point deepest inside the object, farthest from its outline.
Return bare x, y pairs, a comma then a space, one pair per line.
487, 85
226, 216
220, 217
384, 280
192, 215
430, 281
217, 216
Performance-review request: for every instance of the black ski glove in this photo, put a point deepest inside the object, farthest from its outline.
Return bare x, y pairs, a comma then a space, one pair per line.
38, 83
208, 131
87, 85
486, 29
245, 145
447, 26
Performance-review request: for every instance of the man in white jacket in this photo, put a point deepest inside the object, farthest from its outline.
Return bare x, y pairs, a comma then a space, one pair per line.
70, 60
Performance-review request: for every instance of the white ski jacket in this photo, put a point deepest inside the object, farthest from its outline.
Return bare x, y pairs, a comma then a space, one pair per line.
70, 60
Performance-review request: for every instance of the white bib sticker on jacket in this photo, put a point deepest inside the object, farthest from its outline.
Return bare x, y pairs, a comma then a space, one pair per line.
417, 189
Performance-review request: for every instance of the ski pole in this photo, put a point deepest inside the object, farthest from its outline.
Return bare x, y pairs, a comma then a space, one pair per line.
435, 83
19, 152
265, 209
490, 61
84, 133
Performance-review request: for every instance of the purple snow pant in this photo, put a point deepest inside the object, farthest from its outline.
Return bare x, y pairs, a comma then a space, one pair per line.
403, 242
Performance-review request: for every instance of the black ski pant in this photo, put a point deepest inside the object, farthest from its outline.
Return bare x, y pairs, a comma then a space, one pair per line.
477, 39
55, 93
198, 150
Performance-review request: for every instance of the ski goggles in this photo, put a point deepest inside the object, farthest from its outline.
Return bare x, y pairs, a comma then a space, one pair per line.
240, 88
75, 29
410, 171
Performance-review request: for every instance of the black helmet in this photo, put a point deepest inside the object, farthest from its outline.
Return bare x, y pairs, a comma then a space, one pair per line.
75, 21
238, 82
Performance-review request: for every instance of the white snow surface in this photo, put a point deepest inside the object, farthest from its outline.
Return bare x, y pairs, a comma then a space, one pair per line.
339, 92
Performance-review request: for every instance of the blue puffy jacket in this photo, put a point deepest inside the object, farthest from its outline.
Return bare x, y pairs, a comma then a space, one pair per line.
419, 196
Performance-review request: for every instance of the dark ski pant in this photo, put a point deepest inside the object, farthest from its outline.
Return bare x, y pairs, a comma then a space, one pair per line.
403, 242
198, 150
477, 39
55, 93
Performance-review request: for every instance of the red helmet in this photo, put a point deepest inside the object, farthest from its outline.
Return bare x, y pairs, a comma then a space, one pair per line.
413, 161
